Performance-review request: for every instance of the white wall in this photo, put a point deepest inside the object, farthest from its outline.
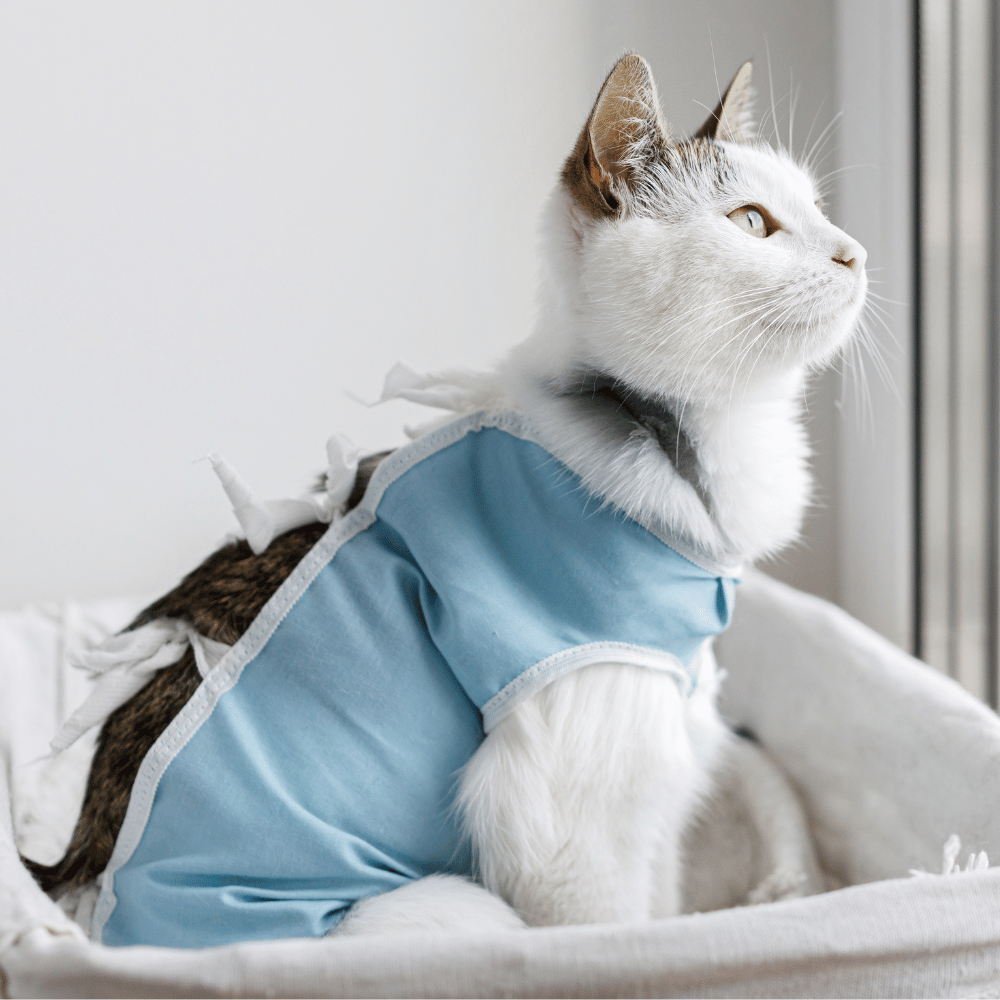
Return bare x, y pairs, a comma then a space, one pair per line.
215, 218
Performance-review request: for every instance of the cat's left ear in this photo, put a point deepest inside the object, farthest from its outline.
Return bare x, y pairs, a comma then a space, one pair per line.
731, 121
624, 132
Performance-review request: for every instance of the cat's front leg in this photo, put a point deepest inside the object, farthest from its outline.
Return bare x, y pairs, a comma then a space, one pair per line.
573, 797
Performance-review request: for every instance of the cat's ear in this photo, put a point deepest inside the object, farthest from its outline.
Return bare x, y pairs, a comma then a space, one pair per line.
732, 120
624, 130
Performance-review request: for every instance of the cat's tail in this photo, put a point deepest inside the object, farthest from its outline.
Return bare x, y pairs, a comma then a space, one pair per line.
48, 877
75, 869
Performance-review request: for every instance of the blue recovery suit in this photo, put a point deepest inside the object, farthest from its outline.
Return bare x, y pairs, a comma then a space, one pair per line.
316, 764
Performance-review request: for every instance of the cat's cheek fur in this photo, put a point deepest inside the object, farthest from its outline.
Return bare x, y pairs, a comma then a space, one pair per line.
576, 803
698, 311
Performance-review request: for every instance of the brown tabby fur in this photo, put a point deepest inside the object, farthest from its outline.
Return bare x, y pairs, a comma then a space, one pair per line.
220, 599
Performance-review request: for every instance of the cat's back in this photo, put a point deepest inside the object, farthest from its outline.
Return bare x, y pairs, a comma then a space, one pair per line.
220, 599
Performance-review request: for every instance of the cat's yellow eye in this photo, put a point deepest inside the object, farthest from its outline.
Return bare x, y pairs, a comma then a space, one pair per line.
753, 220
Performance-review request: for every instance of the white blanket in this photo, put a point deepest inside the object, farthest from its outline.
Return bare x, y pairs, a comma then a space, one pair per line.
890, 757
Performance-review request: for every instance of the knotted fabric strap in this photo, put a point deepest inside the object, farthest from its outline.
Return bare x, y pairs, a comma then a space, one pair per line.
262, 521
438, 391
123, 664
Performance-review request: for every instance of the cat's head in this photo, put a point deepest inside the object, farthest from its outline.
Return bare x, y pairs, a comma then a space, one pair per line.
690, 268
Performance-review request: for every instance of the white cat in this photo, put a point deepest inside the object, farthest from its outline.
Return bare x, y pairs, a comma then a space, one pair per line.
689, 286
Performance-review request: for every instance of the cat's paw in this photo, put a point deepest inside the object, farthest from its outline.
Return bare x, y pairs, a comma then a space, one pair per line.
434, 903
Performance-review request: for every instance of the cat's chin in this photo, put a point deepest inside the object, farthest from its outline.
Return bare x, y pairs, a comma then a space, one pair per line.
816, 341
820, 350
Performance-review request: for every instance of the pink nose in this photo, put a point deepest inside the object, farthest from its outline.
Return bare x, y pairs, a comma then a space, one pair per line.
851, 254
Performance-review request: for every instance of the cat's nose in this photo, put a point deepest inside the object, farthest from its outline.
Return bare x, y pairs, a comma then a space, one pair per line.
851, 254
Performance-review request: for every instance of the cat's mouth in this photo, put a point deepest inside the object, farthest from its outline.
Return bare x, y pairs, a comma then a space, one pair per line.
652, 415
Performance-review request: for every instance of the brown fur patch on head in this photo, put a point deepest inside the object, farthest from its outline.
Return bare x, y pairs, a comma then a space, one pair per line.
699, 156
625, 129
582, 176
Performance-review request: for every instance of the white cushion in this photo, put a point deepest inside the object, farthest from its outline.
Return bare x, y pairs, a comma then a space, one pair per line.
890, 757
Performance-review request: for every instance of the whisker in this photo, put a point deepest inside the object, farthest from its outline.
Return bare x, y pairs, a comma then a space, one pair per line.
791, 108
776, 327
883, 298
865, 396
811, 127
809, 160
840, 170
704, 366
715, 67
770, 84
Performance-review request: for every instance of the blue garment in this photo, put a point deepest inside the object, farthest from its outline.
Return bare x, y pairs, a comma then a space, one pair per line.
316, 765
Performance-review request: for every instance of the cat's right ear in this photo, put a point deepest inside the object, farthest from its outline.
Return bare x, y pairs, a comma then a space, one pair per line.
732, 119
624, 130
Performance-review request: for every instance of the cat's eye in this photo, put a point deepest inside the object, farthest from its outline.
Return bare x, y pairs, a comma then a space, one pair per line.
753, 220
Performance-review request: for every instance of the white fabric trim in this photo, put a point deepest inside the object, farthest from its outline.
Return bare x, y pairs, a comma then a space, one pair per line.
566, 661
402, 382
694, 555
520, 426
203, 701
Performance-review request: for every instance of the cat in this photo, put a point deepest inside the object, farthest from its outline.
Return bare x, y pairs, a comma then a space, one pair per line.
689, 287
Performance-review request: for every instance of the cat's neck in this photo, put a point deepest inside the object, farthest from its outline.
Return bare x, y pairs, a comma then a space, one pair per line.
739, 498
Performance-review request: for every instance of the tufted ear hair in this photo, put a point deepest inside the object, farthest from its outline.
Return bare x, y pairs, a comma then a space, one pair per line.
732, 119
624, 129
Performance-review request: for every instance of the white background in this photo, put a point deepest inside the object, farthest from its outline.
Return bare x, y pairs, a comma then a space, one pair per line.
215, 218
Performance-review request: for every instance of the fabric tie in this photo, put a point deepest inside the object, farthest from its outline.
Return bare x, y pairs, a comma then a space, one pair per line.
402, 382
263, 521
123, 664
